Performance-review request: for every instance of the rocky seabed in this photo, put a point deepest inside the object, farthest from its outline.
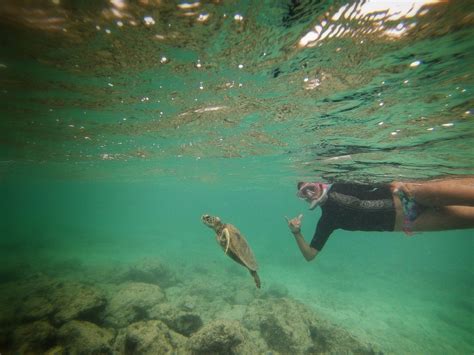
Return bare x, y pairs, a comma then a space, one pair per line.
148, 308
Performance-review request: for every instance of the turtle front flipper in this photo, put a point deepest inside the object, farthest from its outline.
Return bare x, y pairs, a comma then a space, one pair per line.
226, 235
255, 277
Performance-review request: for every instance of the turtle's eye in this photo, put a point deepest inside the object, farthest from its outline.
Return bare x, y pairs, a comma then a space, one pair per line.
206, 218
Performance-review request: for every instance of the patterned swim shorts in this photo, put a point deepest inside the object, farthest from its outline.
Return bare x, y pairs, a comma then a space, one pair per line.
411, 211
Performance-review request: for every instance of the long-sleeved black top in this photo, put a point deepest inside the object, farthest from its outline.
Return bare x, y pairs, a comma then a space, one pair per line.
355, 207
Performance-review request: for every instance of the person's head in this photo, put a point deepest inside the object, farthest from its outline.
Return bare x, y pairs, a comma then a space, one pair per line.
312, 192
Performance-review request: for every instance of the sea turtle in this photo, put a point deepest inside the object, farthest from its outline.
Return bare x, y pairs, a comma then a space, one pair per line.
234, 244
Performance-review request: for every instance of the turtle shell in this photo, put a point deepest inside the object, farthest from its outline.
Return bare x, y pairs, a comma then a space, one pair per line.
240, 249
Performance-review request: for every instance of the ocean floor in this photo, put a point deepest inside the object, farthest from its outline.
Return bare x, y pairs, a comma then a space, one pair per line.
147, 307
364, 295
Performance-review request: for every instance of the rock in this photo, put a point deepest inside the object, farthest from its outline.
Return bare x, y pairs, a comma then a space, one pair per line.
131, 302
188, 302
197, 296
223, 337
34, 337
182, 321
288, 326
81, 337
57, 350
149, 337
151, 271
26, 300
77, 301
35, 308
284, 324
39, 297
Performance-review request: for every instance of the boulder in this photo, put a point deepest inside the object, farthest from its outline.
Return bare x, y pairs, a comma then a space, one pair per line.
35, 307
183, 321
28, 299
206, 299
222, 336
288, 326
81, 337
77, 301
130, 303
149, 337
283, 324
40, 297
34, 337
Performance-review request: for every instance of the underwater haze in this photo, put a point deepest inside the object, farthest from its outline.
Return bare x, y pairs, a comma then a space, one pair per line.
123, 122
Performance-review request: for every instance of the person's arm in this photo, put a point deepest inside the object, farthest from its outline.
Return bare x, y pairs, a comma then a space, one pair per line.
308, 252
294, 224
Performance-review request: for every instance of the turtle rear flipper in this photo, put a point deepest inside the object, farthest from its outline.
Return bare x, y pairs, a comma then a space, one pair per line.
255, 277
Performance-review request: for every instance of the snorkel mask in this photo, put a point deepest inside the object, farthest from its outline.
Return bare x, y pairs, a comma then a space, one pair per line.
313, 192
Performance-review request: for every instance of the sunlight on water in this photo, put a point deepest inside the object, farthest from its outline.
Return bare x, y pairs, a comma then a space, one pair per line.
125, 121
153, 81
370, 17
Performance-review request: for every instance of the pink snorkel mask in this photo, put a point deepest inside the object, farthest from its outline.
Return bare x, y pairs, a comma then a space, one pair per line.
314, 192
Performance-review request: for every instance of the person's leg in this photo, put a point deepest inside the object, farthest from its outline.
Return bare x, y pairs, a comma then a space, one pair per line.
455, 192
444, 218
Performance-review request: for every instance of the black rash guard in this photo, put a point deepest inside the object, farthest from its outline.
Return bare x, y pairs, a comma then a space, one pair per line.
355, 207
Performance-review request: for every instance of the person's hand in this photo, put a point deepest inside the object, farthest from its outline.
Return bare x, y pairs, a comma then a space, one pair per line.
295, 223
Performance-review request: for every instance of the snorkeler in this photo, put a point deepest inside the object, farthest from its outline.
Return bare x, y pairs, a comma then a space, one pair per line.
410, 207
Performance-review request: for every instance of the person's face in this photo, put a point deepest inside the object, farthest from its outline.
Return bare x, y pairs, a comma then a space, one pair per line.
310, 191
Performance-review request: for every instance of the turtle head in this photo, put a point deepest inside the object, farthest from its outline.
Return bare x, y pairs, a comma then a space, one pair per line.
211, 221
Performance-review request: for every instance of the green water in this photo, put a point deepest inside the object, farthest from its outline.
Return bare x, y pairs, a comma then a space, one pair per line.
110, 154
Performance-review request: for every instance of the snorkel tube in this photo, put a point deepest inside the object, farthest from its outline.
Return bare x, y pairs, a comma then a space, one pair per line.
315, 193
321, 199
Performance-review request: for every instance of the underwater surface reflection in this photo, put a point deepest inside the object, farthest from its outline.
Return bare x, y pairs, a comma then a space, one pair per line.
122, 122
